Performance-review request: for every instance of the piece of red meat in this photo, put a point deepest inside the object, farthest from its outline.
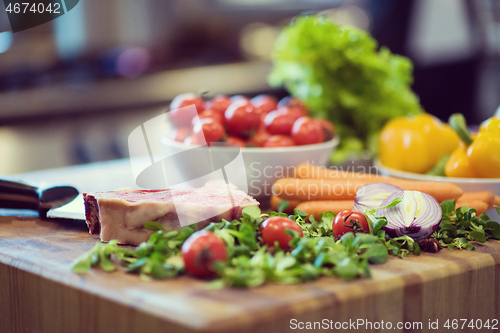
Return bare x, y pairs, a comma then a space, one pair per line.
122, 214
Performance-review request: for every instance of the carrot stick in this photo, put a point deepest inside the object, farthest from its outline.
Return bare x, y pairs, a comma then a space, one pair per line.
440, 191
306, 170
316, 208
496, 201
479, 205
292, 204
485, 196
342, 189
315, 189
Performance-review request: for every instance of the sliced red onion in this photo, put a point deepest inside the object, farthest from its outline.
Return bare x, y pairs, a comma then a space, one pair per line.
371, 196
417, 216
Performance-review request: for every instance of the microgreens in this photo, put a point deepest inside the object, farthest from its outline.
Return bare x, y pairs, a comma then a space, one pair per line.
461, 225
315, 254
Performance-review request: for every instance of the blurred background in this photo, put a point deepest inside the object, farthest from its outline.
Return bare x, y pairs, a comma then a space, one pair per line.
72, 90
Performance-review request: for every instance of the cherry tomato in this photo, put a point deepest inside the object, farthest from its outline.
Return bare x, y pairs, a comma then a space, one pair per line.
265, 103
279, 141
288, 101
180, 134
306, 131
295, 104
273, 230
241, 119
186, 99
211, 114
236, 141
236, 98
349, 221
219, 104
200, 251
280, 121
181, 117
207, 130
327, 127
260, 137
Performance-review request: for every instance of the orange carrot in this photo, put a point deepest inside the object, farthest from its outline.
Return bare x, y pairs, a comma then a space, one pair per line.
345, 189
292, 204
479, 205
316, 208
496, 201
315, 189
485, 196
306, 170
440, 191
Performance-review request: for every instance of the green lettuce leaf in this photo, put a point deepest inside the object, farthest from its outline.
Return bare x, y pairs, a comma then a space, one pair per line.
340, 74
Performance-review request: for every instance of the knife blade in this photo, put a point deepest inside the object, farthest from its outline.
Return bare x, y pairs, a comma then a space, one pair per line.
74, 210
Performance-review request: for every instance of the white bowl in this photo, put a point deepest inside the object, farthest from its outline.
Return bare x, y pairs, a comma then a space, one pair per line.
263, 166
466, 184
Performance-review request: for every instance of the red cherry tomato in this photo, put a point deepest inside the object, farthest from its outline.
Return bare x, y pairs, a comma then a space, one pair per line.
295, 104
206, 131
287, 101
279, 141
180, 134
186, 99
349, 221
241, 119
200, 251
265, 103
306, 131
237, 98
219, 104
327, 127
273, 230
236, 141
210, 114
181, 117
280, 121
260, 137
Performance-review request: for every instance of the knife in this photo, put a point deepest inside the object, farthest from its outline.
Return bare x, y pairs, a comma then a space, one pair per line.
16, 194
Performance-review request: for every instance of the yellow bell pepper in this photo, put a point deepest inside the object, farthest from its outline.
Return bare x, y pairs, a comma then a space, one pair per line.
458, 165
415, 144
479, 155
484, 154
491, 125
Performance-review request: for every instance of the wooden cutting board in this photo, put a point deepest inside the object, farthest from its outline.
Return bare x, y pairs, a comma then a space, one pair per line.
39, 293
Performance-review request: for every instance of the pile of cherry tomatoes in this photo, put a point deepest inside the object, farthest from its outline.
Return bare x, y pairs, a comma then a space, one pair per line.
262, 121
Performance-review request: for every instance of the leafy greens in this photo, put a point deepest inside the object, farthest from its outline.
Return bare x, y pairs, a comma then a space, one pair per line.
340, 75
315, 254
250, 263
461, 225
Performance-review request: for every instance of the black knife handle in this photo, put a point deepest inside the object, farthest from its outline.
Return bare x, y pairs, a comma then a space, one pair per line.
18, 195
18, 201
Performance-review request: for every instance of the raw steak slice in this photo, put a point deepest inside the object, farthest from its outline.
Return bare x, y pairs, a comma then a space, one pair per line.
121, 214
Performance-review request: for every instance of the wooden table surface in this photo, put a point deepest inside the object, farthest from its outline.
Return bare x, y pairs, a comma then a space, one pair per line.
39, 293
